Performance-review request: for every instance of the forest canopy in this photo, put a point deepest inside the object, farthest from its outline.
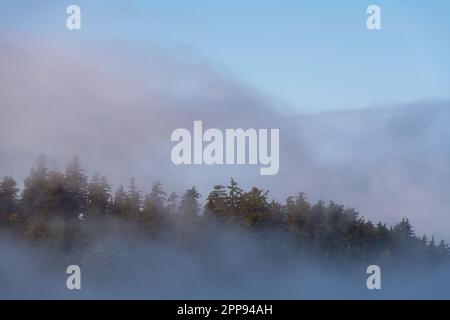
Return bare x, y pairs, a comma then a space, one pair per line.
55, 206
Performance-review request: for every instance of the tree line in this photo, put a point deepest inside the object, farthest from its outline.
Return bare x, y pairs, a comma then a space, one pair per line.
73, 199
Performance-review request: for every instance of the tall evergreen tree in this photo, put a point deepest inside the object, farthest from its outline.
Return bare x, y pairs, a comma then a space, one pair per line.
8, 199
76, 189
99, 195
216, 204
234, 196
56, 194
298, 215
33, 198
253, 208
172, 204
443, 249
134, 200
120, 202
153, 210
189, 206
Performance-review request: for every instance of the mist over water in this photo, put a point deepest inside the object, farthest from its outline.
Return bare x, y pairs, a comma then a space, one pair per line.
223, 264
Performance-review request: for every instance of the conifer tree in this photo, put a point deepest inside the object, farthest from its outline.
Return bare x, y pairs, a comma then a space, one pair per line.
216, 204
76, 190
172, 204
55, 194
120, 202
153, 211
234, 196
189, 206
33, 198
134, 200
8, 199
99, 195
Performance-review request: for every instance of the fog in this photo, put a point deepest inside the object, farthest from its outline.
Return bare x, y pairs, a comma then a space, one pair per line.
115, 106
225, 265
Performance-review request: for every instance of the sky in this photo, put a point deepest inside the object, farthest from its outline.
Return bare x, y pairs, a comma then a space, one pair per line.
364, 116
307, 56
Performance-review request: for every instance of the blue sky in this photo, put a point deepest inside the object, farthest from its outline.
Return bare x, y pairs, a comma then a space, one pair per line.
312, 56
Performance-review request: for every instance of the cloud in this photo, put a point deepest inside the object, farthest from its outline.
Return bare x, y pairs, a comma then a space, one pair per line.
115, 106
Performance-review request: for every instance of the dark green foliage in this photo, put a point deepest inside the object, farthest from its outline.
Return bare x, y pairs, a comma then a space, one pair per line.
34, 193
133, 200
75, 190
172, 204
154, 210
189, 207
120, 202
8, 199
51, 198
99, 196
216, 207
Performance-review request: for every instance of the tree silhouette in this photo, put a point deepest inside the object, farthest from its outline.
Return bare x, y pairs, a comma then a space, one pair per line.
99, 196
133, 200
51, 202
120, 208
8, 199
154, 210
76, 190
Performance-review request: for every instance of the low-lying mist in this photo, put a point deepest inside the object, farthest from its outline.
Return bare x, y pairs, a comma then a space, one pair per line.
219, 263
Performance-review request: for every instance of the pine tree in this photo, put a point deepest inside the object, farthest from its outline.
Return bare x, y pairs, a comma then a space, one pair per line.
8, 199
216, 204
234, 196
383, 238
153, 211
76, 190
99, 196
172, 204
404, 229
432, 244
33, 198
55, 194
277, 212
298, 215
189, 206
157, 196
254, 209
443, 249
134, 200
316, 226
120, 202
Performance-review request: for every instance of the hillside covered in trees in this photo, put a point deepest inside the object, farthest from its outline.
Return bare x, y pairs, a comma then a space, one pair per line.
56, 208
